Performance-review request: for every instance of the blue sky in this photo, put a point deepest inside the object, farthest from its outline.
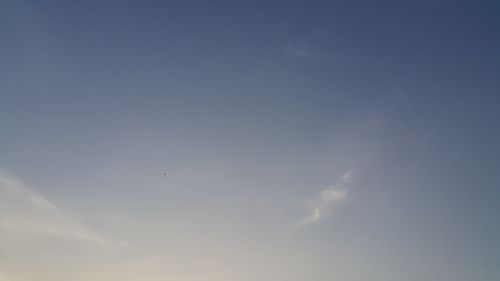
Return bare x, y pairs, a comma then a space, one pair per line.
302, 140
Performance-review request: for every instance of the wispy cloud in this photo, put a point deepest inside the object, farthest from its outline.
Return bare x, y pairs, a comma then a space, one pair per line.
320, 206
302, 50
26, 213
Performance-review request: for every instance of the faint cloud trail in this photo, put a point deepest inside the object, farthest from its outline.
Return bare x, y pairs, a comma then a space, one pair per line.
320, 206
23, 211
302, 51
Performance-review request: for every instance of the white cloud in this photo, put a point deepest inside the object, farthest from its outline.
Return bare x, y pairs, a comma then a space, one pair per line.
26, 214
320, 206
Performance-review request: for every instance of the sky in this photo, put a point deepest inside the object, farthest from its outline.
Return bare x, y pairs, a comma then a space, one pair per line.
301, 140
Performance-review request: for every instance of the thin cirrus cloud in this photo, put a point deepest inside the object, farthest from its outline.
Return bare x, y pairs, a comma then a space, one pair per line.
24, 213
301, 50
319, 207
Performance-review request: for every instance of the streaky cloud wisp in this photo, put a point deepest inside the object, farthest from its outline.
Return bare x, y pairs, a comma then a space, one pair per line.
320, 206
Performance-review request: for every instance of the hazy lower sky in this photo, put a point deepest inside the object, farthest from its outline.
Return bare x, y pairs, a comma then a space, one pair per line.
302, 140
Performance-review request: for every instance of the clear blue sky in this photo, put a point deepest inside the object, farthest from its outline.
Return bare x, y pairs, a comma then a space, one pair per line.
302, 140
